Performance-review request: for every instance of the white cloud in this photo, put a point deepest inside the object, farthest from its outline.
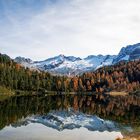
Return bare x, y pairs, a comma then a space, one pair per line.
72, 27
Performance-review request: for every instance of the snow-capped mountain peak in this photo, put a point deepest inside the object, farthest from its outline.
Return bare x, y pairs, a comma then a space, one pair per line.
70, 65
22, 60
67, 65
128, 53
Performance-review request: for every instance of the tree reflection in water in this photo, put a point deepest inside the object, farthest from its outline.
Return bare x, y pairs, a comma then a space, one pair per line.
123, 109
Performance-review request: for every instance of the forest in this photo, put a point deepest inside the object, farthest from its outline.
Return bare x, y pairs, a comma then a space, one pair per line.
124, 76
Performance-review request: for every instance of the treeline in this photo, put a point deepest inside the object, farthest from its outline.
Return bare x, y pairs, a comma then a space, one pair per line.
14, 76
125, 76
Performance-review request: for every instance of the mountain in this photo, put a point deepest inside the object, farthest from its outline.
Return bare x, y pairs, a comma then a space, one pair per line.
67, 65
100, 60
120, 77
131, 52
70, 119
24, 61
70, 65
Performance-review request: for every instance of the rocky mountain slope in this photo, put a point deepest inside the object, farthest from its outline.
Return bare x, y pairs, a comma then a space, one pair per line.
70, 65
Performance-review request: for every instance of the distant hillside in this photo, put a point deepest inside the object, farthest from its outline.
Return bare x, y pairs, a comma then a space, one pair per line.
124, 76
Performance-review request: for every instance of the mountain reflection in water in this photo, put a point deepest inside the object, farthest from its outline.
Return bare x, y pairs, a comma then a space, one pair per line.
68, 112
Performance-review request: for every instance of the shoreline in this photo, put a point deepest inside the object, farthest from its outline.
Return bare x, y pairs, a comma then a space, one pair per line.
130, 136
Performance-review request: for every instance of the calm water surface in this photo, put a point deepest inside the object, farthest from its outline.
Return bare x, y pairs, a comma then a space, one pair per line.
65, 117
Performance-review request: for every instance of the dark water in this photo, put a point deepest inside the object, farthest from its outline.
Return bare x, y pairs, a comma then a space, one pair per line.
68, 117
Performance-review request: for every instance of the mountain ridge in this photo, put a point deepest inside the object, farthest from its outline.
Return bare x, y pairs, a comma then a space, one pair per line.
71, 65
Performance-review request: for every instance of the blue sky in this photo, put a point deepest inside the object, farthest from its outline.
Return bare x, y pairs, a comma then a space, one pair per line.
43, 28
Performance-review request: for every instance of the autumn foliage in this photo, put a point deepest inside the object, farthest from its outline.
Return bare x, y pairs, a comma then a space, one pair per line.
124, 76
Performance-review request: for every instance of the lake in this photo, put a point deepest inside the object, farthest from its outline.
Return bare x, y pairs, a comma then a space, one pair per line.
67, 117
